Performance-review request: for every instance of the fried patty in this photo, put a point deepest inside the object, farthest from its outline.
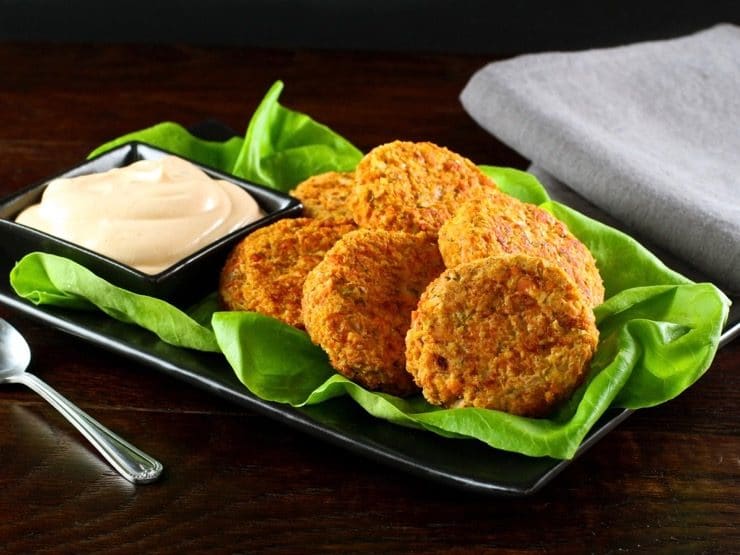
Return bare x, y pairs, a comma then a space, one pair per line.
500, 224
412, 187
325, 195
357, 304
510, 333
266, 270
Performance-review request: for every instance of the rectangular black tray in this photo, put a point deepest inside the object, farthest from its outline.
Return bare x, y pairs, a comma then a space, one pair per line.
462, 463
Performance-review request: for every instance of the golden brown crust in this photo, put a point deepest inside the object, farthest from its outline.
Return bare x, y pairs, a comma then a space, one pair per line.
325, 195
501, 224
266, 270
412, 187
357, 304
511, 333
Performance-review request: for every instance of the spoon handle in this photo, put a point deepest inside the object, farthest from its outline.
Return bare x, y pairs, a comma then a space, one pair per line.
132, 463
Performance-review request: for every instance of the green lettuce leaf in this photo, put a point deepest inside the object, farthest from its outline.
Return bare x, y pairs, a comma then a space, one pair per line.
45, 278
623, 262
281, 148
275, 361
517, 183
175, 138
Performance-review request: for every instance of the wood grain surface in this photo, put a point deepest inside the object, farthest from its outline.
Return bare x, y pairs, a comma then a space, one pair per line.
666, 480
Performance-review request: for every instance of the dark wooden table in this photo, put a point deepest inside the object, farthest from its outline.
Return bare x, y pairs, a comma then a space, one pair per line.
667, 479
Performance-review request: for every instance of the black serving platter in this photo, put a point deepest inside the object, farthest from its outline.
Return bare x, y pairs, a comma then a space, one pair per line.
465, 464
186, 281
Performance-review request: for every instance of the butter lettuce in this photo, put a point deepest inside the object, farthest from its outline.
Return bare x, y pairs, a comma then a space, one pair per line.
44, 278
175, 138
658, 331
517, 183
281, 147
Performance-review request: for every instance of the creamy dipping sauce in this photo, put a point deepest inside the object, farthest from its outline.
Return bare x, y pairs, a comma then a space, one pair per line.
148, 215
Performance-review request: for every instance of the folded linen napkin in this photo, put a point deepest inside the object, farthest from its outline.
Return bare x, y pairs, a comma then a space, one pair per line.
649, 133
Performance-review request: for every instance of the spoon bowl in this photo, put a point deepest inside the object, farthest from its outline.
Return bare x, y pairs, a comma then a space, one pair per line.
15, 353
129, 461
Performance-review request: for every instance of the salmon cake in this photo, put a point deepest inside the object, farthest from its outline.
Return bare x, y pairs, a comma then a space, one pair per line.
266, 270
412, 187
325, 195
500, 224
510, 333
357, 304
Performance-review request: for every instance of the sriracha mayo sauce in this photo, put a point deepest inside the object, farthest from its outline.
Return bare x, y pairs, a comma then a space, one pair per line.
147, 215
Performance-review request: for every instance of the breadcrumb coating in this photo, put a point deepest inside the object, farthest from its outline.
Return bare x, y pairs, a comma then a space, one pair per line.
500, 224
412, 187
357, 304
266, 270
510, 333
325, 195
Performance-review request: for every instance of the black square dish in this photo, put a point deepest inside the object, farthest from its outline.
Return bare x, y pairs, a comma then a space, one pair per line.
184, 282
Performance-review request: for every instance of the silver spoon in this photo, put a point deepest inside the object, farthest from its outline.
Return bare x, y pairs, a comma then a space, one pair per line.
132, 463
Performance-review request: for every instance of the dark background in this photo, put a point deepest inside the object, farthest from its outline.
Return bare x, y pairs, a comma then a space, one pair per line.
404, 25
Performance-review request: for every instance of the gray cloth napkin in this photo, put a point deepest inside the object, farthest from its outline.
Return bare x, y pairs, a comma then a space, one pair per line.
649, 133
